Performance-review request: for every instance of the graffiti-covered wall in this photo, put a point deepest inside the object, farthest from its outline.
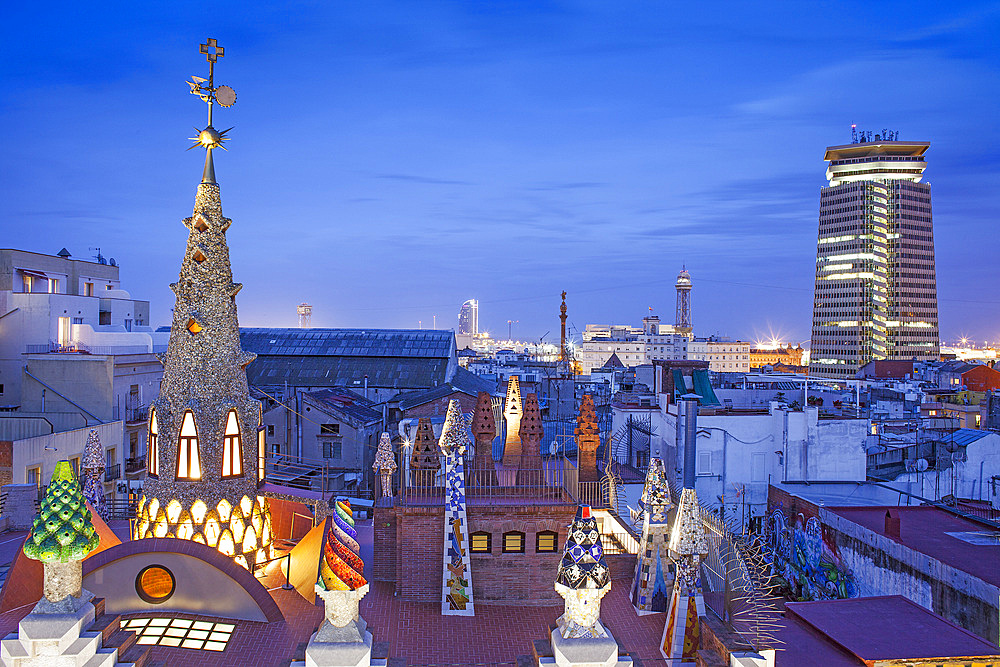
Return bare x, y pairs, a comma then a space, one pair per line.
803, 551
824, 555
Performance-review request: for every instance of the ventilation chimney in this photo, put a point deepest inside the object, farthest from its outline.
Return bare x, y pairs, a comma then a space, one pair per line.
892, 525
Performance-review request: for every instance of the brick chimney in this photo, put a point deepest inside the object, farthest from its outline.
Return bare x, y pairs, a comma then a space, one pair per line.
892, 525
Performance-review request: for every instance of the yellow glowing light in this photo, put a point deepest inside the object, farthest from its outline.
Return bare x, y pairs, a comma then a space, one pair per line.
198, 538
198, 511
154, 508
242, 562
237, 526
226, 544
250, 540
185, 531
161, 528
246, 505
212, 532
173, 511
225, 509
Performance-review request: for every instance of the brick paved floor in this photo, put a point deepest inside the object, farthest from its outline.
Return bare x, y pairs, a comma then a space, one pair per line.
415, 631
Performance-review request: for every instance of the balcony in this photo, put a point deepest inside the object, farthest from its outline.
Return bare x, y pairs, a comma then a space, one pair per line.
111, 473
555, 483
135, 464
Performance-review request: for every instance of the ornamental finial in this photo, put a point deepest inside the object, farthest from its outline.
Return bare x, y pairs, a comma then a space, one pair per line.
210, 138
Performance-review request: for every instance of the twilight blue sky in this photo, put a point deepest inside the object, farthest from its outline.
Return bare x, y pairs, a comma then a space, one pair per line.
392, 159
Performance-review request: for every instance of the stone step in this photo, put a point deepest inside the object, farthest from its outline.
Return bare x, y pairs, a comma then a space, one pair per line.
107, 625
122, 640
137, 655
103, 658
85, 647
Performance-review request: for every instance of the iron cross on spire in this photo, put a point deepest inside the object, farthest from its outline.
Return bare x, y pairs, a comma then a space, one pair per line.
210, 138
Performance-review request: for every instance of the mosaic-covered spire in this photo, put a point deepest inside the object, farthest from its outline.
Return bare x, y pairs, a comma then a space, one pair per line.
202, 481
457, 572
93, 474
512, 412
342, 568
425, 455
62, 535
531, 434
583, 578
385, 464
653, 579
588, 439
484, 428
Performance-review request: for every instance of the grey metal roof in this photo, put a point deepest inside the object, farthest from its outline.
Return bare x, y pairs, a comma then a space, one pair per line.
346, 402
463, 381
343, 371
430, 343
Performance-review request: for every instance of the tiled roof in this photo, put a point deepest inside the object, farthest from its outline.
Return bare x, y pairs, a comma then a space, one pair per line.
319, 371
346, 402
431, 343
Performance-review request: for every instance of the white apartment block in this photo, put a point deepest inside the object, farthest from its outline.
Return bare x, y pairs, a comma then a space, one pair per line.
722, 356
634, 346
76, 351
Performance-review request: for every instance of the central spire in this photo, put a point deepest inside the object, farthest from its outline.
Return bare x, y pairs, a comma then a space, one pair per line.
206, 447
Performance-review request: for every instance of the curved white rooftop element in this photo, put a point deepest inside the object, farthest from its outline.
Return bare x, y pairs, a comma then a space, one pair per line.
899, 160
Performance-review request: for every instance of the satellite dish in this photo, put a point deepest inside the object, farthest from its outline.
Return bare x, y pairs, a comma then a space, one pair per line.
225, 96
921, 465
112, 262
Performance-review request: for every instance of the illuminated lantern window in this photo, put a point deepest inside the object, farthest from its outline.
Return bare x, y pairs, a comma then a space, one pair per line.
260, 454
232, 452
546, 541
193, 327
153, 451
155, 584
481, 543
188, 460
513, 542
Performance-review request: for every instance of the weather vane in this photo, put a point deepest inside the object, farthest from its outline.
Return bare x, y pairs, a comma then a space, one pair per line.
210, 138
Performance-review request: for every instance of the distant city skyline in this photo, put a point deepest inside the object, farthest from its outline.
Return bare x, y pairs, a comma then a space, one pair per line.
386, 165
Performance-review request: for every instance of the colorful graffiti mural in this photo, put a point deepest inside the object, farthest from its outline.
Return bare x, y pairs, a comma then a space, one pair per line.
806, 560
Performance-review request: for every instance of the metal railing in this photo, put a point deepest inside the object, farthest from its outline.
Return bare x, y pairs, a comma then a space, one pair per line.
111, 473
135, 464
311, 475
555, 482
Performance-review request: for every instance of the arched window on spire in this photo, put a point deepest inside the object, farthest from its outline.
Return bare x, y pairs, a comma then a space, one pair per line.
232, 452
188, 458
153, 450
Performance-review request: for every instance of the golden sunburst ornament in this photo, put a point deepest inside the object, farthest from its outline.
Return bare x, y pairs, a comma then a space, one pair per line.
209, 138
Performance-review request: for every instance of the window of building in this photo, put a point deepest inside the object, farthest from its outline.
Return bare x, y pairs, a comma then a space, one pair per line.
270, 429
513, 542
332, 450
155, 584
546, 541
88, 289
704, 463
104, 317
481, 543
261, 455
133, 444
110, 455
275, 447
53, 286
188, 459
329, 429
193, 327
65, 331
153, 451
74, 462
33, 476
232, 451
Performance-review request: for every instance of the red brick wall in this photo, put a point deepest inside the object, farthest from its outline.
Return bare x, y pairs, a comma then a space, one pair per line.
6, 462
526, 578
384, 558
439, 407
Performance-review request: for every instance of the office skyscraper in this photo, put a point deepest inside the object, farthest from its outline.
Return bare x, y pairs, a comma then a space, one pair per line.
468, 318
876, 290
